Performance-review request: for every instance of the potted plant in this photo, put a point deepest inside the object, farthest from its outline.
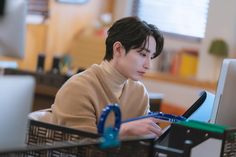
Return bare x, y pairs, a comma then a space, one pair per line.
219, 49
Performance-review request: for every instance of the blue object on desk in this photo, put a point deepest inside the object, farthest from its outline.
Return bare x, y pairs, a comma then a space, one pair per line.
110, 136
161, 116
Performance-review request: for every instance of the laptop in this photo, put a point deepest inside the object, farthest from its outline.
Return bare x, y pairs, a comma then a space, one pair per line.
200, 110
16, 96
225, 101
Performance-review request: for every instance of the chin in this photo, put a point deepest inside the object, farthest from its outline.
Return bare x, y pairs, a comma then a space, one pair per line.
136, 78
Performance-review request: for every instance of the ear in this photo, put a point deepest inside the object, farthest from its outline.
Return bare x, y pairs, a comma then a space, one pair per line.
118, 49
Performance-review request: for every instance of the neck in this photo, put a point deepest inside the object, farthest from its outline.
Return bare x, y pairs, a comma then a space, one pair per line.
114, 65
115, 79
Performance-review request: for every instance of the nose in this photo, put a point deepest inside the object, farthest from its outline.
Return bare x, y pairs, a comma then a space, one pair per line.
147, 63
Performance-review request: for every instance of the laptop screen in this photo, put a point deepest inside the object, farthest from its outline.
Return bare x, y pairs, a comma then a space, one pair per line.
200, 110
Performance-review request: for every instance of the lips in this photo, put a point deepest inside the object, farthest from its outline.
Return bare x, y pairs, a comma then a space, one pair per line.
141, 73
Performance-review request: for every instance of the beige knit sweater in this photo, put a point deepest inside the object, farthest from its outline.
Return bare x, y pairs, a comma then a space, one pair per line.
79, 102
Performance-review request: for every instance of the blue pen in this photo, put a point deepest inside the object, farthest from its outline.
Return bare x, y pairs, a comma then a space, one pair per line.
159, 115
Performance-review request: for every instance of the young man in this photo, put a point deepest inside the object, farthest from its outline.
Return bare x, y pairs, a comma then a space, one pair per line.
130, 46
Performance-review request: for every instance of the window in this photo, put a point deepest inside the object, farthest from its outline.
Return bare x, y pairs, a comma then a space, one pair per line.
39, 7
37, 11
182, 17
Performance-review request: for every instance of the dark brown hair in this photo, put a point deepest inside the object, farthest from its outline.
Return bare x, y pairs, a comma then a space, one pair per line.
132, 33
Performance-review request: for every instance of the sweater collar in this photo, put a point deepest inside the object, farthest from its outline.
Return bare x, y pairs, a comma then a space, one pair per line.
114, 78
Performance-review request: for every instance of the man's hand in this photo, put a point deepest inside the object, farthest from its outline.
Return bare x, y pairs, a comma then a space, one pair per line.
147, 126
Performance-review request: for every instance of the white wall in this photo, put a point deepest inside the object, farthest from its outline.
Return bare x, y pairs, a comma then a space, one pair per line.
221, 24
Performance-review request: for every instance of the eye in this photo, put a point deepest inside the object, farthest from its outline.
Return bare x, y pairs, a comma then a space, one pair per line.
143, 54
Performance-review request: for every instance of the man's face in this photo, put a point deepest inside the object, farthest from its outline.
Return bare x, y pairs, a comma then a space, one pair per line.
135, 63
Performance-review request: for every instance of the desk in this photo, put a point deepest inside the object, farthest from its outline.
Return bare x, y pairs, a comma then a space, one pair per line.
47, 86
44, 96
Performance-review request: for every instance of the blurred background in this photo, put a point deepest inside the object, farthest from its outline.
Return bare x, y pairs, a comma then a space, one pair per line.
64, 37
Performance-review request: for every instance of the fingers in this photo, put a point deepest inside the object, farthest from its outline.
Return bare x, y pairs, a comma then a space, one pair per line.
154, 128
155, 120
147, 126
150, 126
